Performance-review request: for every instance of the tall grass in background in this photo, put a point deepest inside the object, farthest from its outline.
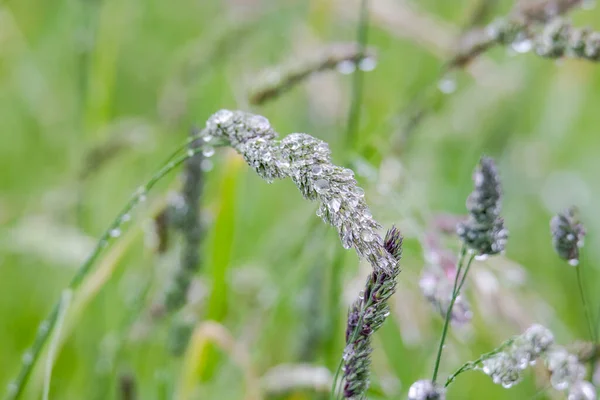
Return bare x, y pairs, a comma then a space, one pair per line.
97, 93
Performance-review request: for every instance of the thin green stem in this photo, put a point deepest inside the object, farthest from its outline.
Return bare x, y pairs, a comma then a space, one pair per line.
586, 309
45, 328
459, 264
471, 365
464, 276
357, 84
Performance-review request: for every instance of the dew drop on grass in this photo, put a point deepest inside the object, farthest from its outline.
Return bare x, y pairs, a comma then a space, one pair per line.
259, 123
346, 67
115, 232
481, 257
335, 205
126, 218
574, 262
447, 85
316, 169
12, 388
27, 357
321, 185
44, 326
522, 45
367, 64
206, 165
367, 235
208, 151
207, 138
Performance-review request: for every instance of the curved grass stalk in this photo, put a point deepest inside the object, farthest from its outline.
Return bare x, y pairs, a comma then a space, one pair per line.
47, 326
458, 282
196, 357
65, 301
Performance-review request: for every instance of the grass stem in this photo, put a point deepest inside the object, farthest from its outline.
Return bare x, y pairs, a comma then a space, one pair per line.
47, 326
455, 291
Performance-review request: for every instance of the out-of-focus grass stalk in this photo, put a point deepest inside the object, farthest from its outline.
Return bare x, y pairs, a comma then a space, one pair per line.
335, 294
353, 123
65, 301
47, 326
197, 356
221, 254
112, 22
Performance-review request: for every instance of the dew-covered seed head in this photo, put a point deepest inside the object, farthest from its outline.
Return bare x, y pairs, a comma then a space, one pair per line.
426, 390
503, 368
582, 390
484, 231
565, 368
538, 340
567, 235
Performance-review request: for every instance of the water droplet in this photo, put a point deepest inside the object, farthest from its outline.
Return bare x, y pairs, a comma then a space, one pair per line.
206, 165
346, 67
367, 64
481, 257
126, 218
190, 153
12, 388
367, 235
574, 262
27, 357
141, 191
316, 170
447, 85
570, 237
115, 233
219, 118
335, 205
44, 326
522, 45
359, 192
207, 138
259, 123
208, 151
321, 185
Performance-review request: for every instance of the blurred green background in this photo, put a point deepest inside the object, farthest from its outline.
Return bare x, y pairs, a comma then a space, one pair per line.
131, 78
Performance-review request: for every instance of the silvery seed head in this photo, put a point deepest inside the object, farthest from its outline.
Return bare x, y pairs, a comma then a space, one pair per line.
537, 340
565, 368
582, 390
484, 231
307, 161
366, 315
426, 390
504, 369
567, 235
